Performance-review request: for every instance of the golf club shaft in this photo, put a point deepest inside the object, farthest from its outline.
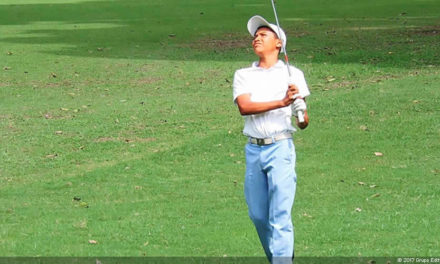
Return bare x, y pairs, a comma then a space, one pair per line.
286, 58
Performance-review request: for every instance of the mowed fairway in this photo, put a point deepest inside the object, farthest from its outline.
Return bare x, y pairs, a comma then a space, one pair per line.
119, 137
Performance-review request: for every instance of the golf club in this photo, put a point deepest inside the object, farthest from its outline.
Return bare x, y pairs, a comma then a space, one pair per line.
286, 58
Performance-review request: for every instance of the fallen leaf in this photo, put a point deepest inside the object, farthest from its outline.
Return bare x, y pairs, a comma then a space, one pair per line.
52, 156
331, 79
307, 215
375, 195
364, 128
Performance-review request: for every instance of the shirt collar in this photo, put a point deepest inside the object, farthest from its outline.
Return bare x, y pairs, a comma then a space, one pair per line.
279, 64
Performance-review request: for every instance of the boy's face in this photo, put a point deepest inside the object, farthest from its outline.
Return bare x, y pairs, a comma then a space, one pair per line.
266, 42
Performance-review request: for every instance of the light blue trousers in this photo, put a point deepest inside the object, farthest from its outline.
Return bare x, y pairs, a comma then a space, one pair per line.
270, 185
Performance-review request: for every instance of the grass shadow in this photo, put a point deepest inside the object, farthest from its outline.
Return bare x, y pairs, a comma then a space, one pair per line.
173, 30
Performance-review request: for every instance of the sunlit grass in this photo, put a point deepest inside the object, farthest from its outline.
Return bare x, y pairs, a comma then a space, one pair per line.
117, 126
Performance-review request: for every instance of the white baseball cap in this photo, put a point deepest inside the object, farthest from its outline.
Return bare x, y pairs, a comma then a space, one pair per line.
256, 22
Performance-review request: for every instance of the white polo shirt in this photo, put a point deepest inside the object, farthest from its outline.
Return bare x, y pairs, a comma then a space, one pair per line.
266, 85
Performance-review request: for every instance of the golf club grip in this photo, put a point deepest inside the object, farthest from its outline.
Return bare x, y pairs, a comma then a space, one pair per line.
300, 116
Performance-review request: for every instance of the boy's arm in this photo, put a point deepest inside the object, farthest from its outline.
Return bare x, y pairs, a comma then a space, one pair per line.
305, 123
248, 107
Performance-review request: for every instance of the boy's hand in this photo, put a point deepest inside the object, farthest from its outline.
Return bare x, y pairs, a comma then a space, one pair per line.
299, 105
291, 95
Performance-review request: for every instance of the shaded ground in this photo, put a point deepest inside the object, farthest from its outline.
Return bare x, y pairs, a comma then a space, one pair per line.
152, 30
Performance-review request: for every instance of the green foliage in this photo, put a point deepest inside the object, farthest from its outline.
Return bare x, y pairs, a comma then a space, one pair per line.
119, 136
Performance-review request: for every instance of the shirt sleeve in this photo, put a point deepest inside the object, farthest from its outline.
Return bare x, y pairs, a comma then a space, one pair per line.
239, 85
300, 81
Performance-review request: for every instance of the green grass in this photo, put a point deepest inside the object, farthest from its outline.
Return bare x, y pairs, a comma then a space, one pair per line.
128, 106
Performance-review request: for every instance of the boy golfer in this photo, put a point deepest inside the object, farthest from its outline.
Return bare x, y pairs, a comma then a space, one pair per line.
267, 98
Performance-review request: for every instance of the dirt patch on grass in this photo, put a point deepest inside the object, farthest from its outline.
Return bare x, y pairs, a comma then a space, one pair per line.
353, 84
232, 41
427, 31
148, 80
358, 83
58, 84
225, 42
126, 140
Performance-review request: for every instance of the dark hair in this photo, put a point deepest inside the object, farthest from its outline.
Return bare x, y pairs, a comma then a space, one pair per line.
276, 35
